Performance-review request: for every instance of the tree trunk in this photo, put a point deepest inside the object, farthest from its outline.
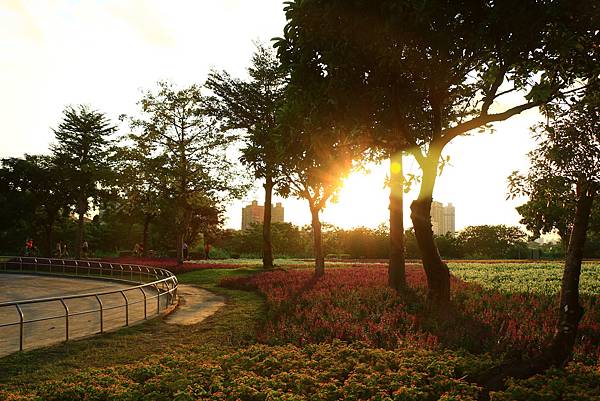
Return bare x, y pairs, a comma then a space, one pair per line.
560, 350
179, 248
145, 235
318, 243
438, 275
49, 237
81, 209
570, 311
396, 269
267, 243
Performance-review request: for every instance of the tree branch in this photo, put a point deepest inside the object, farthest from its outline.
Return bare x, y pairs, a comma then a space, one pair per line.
491, 95
450, 133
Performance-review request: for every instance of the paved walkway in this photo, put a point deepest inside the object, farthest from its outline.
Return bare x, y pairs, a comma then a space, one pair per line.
195, 305
85, 316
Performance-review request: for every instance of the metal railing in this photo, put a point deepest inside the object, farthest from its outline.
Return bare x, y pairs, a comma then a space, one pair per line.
153, 284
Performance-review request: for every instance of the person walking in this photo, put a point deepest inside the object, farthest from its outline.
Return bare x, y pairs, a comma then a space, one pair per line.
65, 251
29, 247
58, 250
185, 251
84, 249
206, 250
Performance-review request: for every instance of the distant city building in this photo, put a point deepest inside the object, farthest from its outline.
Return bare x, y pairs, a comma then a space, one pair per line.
254, 214
442, 218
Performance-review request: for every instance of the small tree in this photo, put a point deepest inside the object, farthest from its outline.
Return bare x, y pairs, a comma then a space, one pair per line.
173, 124
313, 169
252, 106
82, 153
551, 205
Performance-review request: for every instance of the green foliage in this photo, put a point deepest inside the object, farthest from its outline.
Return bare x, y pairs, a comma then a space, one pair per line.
493, 242
315, 372
82, 151
575, 382
34, 197
563, 167
194, 174
481, 242
288, 240
252, 106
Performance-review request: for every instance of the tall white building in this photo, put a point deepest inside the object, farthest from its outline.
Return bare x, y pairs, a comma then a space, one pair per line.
442, 218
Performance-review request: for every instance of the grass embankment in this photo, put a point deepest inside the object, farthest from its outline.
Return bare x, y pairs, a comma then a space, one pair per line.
229, 328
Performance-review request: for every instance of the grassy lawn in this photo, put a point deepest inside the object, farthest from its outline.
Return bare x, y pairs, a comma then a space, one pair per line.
229, 328
536, 277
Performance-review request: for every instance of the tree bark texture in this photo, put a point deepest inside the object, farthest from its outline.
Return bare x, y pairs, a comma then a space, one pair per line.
318, 243
438, 275
267, 242
396, 268
570, 311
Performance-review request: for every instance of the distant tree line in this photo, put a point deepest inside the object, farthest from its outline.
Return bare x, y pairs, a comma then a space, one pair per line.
474, 242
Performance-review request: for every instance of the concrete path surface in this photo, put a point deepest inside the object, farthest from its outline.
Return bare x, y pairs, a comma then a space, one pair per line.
195, 305
85, 317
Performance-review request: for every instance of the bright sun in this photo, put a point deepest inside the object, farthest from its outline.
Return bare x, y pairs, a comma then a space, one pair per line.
362, 201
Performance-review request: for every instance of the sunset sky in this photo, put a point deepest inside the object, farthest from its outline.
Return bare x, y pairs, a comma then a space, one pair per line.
61, 52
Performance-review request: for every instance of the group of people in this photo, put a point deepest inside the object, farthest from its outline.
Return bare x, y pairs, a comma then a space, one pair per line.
186, 251
62, 251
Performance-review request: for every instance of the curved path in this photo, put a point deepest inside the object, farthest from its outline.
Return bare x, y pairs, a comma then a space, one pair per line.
36, 334
195, 305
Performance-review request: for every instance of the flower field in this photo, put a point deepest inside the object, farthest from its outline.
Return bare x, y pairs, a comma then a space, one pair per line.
355, 304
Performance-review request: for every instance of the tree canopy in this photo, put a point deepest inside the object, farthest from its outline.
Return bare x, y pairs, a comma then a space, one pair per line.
82, 150
174, 125
252, 106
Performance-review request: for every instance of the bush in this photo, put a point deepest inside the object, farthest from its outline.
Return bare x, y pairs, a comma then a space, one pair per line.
335, 371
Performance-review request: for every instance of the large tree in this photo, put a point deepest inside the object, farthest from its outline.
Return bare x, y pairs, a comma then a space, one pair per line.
173, 123
252, 105
441, 69
569, 148
34, 196
82, 152
139, 176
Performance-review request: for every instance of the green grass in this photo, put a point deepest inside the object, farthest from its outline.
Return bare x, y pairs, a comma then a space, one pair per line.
233, 326
541, 278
